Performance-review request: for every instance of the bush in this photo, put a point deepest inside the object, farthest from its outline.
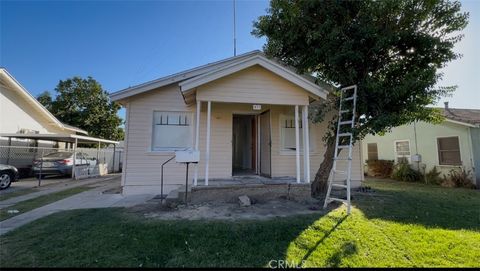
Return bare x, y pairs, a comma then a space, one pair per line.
403, 172
380, 168
457, 178
433, 176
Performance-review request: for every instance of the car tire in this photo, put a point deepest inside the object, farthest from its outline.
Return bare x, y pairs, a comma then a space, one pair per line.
5, 179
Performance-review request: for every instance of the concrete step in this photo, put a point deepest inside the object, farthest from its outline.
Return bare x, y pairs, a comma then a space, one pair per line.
172, 197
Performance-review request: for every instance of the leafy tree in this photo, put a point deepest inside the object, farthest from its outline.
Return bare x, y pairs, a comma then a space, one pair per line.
84, 104
391, 49
46, 100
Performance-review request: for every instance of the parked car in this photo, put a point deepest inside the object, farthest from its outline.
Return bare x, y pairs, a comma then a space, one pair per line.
60, 163
8, 174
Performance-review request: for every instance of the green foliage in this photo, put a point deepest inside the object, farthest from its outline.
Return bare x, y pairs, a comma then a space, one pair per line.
380, 168
391, 49
83, 103
403, 172
406, 225
458, 178
46, 100
433, 176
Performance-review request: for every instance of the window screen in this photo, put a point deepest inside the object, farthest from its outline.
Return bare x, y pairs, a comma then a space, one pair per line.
449, 151
172, 130
372, 151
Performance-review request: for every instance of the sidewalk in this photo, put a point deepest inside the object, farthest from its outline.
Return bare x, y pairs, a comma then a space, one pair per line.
89, 199
53, 188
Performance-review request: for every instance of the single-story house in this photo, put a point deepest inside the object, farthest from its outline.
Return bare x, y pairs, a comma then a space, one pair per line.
452, 144
247, 115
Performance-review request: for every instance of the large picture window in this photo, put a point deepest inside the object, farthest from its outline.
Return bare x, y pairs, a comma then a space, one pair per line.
171, 131
287, 133
449, 151
402, 151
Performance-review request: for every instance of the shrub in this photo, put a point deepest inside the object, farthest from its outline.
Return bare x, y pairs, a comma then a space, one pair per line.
433, 176
380, 168
403, 172
457, 178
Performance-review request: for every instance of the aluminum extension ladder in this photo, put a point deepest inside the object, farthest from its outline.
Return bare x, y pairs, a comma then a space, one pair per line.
344, 140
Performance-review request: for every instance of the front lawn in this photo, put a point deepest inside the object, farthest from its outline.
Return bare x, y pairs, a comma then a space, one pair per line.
401, 224
28, 205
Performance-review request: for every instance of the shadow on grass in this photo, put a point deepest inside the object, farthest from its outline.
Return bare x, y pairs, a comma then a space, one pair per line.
428, 205
348, 249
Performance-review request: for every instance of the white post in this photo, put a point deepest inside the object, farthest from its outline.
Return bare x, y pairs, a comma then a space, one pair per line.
207, 150
197, 136
297, 144
74, 157
306, 145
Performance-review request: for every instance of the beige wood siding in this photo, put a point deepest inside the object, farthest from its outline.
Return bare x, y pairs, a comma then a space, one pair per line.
142, 169
265, 86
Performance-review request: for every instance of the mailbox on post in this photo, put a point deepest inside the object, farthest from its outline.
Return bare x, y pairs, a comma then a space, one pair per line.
187, 156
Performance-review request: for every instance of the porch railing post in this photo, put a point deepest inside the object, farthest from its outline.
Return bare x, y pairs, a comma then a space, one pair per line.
297, 144
74, 157
306, 144
197, 136
207, 151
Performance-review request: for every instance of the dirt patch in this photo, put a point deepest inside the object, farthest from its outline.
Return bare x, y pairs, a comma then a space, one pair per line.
227, 211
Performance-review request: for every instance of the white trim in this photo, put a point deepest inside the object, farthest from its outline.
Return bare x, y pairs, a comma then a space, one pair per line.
125, 147
171, 79
281, 71
33, 101
197, 138
459, 150
306, 145
207, 150
461, 123
169, 149
297, 144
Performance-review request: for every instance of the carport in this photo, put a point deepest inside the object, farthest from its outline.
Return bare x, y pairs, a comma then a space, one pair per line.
72, 139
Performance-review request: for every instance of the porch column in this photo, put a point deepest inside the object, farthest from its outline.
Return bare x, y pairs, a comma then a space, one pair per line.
207, 149
306, 145
297, 144
197, 135
74, 157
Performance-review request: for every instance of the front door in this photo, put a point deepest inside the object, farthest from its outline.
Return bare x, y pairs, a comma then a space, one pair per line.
265, 145
243, 145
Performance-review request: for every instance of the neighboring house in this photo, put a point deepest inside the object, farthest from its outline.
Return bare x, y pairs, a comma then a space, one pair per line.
21, 113
245, 106
450, 145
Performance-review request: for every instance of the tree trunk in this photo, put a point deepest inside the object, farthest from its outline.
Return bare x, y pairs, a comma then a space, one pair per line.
320, 184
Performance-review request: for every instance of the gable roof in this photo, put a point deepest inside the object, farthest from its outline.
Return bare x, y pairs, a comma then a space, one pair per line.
468, 117
9, 81
191, 78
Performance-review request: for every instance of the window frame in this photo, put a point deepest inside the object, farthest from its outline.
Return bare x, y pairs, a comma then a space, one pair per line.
438, 151
368, 152
311, 136
152, 149
409, 158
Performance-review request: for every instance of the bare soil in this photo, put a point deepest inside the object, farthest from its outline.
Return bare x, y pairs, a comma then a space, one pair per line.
227, 211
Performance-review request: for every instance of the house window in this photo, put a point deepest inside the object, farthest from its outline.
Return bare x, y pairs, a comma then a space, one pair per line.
402, 151
287, 133
372, 151
449, 151
172, 131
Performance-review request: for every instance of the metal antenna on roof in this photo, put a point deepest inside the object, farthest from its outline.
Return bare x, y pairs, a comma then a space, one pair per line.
234, 31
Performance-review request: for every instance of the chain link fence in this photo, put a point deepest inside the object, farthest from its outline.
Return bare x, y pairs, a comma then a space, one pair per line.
23, 157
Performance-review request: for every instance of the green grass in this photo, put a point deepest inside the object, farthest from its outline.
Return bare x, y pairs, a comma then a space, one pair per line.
34, 203
401, 225
18, 193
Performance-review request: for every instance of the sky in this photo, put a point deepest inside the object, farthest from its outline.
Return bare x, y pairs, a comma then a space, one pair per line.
124, 43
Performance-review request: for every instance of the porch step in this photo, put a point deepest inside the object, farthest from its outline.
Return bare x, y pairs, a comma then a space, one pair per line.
172, 197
